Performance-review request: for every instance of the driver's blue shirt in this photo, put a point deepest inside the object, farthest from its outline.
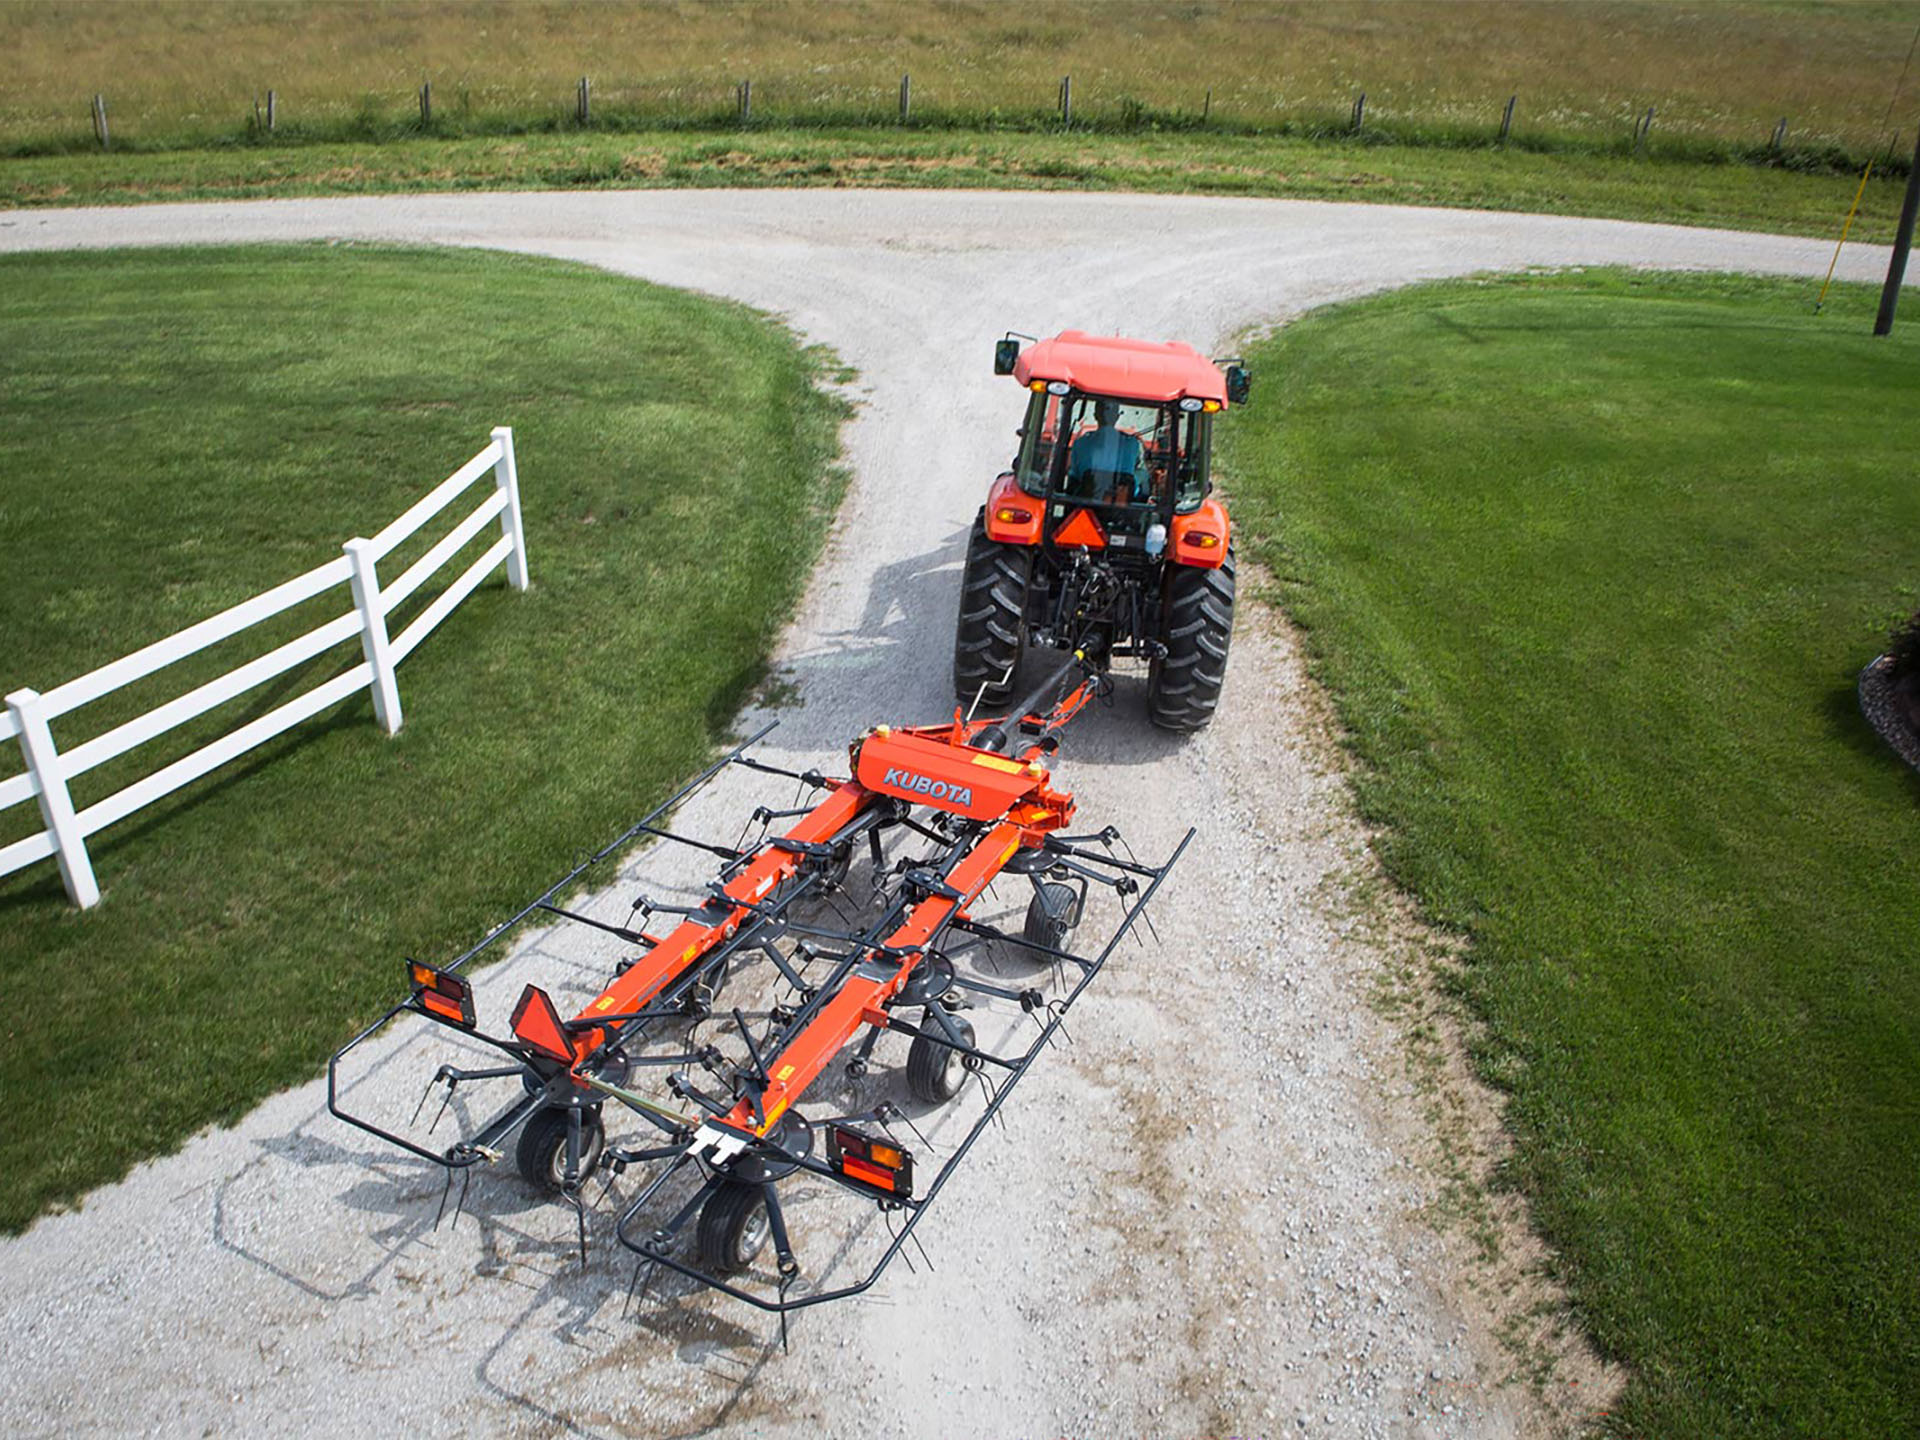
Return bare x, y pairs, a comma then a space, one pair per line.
1101, 453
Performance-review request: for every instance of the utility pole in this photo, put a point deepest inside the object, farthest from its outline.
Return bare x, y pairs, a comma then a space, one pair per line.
1902, 243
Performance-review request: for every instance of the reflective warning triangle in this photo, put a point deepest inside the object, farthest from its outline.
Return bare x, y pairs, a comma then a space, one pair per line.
538, 1023
1082, 529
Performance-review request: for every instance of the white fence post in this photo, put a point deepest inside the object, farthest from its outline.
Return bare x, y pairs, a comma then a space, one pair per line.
373, 634
507, 476
56, 805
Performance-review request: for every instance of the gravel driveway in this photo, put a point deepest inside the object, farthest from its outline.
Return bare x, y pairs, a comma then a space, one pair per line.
1248, 1239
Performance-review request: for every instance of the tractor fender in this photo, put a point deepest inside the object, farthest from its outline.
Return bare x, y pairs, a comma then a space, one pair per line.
1200, 539
1013, 516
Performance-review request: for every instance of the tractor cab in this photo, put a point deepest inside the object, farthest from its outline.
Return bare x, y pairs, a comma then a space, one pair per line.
1096, 536
1128, 464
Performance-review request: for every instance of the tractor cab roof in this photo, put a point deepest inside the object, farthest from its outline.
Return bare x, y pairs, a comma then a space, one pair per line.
1127, 369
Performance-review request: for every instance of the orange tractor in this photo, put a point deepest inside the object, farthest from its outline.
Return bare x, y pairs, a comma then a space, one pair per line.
1104, 535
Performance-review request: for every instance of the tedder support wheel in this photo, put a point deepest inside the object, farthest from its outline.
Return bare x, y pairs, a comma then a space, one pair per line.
993, 595
1183, 687
935, 1070
541, 1155
1050, 916
733, 1227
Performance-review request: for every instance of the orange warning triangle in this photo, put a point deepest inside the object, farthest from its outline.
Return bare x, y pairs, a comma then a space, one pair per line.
538, 1023
1082, 529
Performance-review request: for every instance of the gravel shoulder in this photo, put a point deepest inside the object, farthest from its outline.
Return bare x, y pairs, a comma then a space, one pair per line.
1266, 1213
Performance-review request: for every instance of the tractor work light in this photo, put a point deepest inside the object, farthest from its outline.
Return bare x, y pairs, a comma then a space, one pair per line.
1058, 387
1190, 404
442, 994
871, 1162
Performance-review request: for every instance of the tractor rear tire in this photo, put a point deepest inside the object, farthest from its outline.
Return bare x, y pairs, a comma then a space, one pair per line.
541, 1155
1183, 687
935, 1070
734, 1227
993, 597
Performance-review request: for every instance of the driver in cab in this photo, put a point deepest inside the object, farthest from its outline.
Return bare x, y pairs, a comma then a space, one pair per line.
1106, 462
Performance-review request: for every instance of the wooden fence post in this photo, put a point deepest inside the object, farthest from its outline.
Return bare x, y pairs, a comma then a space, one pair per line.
583, 101
1646, 125
1506, 119
506, 475
906, 98
1780, 135
426, 103
56, 804
746, 102
1206, 108
270, 112
1066, 100
373, 634
100, 121
1359, 112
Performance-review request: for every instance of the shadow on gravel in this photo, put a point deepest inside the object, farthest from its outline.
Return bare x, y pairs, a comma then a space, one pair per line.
895, 667
883, 670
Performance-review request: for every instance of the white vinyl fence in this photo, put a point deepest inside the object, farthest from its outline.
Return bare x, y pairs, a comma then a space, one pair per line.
30, 714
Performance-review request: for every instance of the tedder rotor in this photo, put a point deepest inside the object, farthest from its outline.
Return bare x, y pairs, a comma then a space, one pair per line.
742, 1045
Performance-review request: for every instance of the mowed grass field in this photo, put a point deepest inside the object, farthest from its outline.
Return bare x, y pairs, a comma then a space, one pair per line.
1742, 197
186, 429
176, 69
1240, 97
1589, 564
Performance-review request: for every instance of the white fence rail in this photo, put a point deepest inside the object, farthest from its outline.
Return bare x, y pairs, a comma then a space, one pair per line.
29, 714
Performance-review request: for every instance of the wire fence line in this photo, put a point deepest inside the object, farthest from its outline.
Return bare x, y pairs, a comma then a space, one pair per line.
266, 118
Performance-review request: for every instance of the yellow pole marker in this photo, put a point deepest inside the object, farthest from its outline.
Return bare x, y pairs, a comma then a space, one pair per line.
1843, 236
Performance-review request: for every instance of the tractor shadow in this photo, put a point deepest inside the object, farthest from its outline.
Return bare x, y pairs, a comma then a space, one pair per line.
894, 667
886, 668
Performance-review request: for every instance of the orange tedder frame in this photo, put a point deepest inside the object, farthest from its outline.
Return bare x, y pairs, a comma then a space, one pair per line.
936, 765
988, 786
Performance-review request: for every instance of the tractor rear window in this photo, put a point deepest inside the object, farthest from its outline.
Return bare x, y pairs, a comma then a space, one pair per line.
1114, 452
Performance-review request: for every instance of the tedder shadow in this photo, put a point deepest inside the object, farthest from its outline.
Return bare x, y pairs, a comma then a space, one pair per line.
404, 1199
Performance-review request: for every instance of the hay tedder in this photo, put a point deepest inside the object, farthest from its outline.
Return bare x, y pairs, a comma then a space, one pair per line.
742, 1035
1104, 534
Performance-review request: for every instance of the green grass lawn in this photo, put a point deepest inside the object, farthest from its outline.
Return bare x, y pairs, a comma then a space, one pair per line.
1679, 188
1589, 564
187, 428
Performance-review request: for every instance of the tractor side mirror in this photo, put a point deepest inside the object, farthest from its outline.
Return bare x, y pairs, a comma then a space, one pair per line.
1239, 383
1004, 354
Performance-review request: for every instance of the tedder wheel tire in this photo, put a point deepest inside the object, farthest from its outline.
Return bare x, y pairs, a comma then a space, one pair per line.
541, 1154
1183, 687
1049, 916
837, 866
993, 597
935, 1070
733, 1228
